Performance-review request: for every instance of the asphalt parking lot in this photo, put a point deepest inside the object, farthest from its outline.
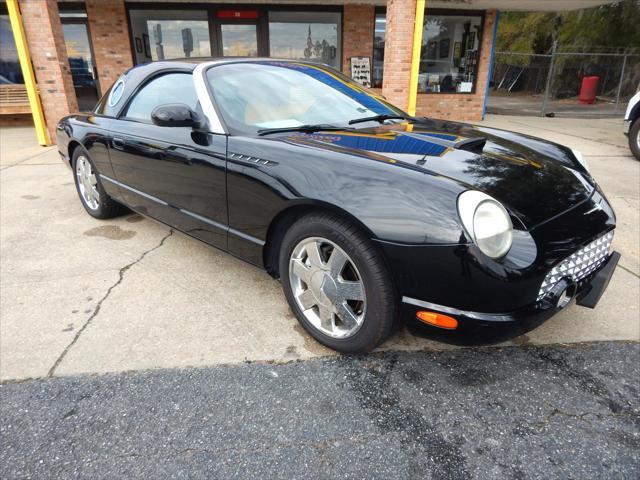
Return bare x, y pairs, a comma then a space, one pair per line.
80, 296
451, 415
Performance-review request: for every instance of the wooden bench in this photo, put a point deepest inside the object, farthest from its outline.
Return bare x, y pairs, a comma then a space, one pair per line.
13, 99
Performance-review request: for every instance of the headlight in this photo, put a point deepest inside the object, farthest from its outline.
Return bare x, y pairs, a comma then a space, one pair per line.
580, 158
487, 222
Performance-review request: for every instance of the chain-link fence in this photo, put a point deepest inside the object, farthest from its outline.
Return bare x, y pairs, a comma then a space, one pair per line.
563, 83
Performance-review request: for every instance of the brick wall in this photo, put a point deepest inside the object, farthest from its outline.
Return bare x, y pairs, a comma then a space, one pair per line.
16, 120
462, 106
41, 21
110, 39
397, 51
357, 33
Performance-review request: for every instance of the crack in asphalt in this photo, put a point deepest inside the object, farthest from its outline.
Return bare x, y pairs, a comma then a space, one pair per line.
96, 311
544, 422
172, 451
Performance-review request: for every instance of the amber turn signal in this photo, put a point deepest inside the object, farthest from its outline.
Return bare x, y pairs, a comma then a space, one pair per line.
437, 320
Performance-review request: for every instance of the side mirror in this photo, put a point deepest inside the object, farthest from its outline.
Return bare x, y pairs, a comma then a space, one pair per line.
175, 115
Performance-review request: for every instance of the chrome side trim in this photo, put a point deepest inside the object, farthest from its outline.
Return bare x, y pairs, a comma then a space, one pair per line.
454, 311
200, 83
208, 221
238, 233
131, 189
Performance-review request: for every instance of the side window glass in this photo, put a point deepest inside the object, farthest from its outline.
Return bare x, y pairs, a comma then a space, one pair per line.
168, 88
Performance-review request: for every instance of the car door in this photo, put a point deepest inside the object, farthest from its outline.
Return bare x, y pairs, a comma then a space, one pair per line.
174, 174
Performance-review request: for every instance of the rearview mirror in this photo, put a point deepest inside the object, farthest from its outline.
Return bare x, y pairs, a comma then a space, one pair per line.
175, 115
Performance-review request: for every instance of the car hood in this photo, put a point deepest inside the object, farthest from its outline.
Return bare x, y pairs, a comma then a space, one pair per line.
535, 179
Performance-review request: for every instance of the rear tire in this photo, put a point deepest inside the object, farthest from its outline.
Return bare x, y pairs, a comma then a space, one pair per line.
93, 196
346, 299
634, 138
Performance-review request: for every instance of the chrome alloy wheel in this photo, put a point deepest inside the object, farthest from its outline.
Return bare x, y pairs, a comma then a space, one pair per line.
327, 287
638, 139
87, 183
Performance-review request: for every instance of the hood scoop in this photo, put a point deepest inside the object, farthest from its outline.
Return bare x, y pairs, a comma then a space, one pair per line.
474, 145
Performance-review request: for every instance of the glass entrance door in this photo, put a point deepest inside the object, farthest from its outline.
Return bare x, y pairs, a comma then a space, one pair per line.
239, 40
83, 71
237, 32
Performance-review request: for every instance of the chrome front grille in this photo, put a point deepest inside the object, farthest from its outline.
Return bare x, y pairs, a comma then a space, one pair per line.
580, 264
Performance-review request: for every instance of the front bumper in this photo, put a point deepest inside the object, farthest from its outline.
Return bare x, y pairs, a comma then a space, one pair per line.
626, 127
587, 294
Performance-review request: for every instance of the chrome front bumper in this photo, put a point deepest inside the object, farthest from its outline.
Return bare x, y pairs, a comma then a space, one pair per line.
626, 127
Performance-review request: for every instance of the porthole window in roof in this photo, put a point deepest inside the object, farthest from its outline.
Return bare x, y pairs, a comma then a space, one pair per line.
116, 93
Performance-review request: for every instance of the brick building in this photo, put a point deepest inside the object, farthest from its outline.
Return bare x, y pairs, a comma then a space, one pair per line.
79, 48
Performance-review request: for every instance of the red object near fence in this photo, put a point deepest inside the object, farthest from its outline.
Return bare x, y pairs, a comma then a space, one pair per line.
589, 89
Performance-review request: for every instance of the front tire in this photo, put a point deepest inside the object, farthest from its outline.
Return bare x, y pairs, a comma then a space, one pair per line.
634, 138
93, 196
337, 284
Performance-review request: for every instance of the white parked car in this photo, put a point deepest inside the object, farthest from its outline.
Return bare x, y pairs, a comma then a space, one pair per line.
632, 124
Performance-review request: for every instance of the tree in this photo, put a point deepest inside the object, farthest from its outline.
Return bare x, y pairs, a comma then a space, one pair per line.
611, 28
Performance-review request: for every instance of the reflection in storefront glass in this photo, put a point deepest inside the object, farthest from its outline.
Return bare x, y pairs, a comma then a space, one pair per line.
239, 40
379, 34
9, 65
171, 39
76, 40
311, 36
160, 34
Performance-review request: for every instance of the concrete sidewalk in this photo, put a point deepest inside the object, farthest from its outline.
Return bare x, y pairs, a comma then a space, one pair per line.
78, 295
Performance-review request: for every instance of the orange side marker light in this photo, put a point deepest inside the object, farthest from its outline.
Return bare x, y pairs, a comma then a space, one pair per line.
437, 320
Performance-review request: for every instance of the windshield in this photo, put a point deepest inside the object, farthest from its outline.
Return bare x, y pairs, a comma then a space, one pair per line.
255, 96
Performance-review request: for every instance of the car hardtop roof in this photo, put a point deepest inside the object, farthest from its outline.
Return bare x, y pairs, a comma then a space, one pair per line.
192, 63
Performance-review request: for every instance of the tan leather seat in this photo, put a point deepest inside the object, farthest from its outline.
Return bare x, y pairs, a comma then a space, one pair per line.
259, 110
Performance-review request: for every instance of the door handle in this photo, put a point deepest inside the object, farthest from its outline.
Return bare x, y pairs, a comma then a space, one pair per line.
118, 143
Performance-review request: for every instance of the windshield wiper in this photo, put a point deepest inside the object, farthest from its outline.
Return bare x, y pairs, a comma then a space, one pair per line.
380, 118
302, 128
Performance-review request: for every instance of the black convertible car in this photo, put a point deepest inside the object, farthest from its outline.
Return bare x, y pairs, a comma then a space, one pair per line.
366, 214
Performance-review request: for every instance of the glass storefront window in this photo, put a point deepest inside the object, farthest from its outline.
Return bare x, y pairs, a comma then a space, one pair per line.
167, 34
312, 36
9, 64
76, 39
449, 56
380, 29
450, 53
239, 40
